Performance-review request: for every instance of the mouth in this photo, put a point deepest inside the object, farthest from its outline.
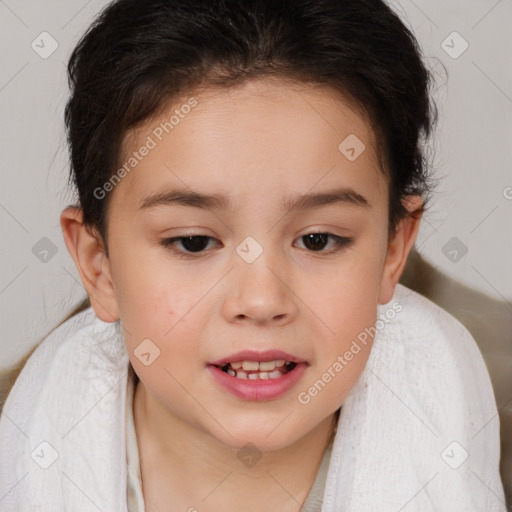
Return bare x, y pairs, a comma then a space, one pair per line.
254, 370
254, 375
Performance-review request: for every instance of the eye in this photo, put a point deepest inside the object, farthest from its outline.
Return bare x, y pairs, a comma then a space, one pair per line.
192, 243
196, 244
316, 240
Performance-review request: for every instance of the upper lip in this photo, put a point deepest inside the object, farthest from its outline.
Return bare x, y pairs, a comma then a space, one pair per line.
255, 355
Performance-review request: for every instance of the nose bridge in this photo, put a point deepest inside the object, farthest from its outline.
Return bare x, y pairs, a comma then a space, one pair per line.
258, 289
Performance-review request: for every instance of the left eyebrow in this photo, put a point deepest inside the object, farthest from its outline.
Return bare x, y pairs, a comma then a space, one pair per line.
187, 197
343, 195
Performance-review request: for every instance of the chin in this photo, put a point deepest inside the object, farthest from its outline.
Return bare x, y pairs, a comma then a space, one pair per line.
257, 437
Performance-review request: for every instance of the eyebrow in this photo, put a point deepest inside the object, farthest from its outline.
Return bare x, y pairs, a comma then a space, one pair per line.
187, 197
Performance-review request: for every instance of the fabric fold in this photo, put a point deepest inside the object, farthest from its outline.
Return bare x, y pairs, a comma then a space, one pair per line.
418, 432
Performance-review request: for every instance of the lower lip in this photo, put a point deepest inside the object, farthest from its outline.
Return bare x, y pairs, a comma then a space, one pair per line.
258, 389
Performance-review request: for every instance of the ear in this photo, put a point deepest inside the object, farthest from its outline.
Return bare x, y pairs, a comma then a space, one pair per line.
93, 265
399, 246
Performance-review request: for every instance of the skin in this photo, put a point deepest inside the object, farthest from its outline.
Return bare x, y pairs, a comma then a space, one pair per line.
257, 143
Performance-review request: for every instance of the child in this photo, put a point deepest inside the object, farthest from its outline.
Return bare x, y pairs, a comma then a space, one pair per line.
250, 183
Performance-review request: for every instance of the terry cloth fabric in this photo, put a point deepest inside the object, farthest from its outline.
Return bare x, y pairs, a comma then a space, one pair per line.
419, 431
135, 496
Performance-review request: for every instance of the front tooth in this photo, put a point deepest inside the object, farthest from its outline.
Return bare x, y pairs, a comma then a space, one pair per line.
252, 376
236, 365
241, 375
279, 363
267, 365
250, 365
275, 374
264, 375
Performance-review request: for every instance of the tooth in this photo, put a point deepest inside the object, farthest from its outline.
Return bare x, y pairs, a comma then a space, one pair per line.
264, 375
236, 365
267, 365
231, 372
241, 375
250, 365
252, 376
280, 363
275, 374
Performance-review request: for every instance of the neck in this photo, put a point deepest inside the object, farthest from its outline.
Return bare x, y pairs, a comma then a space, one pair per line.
182, 463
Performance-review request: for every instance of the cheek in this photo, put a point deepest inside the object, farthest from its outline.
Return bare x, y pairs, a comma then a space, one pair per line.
347, 301
155, 304
351, 322
343, 352
157, 314
162, 310
146, 286
347, 307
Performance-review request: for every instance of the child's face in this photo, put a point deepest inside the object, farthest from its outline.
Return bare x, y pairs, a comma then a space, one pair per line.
256, 284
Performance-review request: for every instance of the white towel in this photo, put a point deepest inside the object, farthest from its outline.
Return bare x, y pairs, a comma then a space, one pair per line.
419, 432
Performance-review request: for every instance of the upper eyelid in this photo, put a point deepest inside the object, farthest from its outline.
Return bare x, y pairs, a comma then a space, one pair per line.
344, 240
192, 235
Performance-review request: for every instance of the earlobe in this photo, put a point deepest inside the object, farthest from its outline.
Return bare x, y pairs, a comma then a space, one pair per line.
399, 248
87, 252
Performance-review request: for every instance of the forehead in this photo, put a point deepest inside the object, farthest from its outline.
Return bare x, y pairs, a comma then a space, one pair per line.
264, 131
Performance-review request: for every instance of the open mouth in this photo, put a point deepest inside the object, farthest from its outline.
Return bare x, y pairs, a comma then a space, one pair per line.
253, 370
258, 375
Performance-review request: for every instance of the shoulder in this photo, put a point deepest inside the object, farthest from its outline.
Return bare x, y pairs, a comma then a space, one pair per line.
419, 308
434, 347
428, 327
37, 364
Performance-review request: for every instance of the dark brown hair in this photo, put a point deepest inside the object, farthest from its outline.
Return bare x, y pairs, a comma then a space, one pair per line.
137, 57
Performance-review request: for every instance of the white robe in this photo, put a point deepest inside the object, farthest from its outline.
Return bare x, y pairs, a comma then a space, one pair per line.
419, 432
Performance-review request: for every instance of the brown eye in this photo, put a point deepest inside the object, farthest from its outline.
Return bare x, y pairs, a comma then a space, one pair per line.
197, 244
315, 242
191, 243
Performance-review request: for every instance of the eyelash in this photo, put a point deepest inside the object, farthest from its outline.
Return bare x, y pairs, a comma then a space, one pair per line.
339, 241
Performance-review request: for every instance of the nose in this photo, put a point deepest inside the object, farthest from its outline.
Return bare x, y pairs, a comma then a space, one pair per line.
260, 292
